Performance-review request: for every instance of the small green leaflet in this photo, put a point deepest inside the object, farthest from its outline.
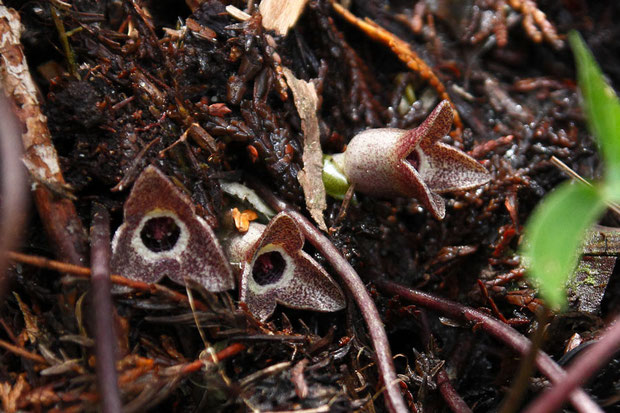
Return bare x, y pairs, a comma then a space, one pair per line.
554, 234
602, 110
556, 228
335, 181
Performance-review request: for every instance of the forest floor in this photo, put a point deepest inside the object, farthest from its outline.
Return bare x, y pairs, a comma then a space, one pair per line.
201, 93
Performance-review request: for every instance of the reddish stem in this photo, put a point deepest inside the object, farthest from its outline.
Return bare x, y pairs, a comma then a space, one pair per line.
451, 397
579, 372
105, 347
22, 352
80, 271
580, 400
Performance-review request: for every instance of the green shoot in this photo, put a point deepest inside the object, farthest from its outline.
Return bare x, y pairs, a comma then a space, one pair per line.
554, 233
555, 230
602, 110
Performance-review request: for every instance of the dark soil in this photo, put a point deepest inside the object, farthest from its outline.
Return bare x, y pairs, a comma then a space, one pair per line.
137, 94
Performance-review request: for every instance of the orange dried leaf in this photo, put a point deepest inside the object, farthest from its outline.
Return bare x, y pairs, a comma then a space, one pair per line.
243, 219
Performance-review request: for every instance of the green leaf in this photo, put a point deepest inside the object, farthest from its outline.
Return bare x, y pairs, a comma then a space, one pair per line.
602, 110
554, 233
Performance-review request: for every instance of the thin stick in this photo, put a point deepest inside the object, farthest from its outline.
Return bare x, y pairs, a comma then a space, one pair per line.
568, 171
393, 399
579, 372
43, 262
22, 352
64, 41
580, 400
223, 354
79, 271
105, 346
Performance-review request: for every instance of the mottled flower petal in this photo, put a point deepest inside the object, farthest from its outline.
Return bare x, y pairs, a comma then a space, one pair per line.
412, 185
240, 246
162, 235
282, 230
276, 270
309, 290
436, 125
373, 162
445, 169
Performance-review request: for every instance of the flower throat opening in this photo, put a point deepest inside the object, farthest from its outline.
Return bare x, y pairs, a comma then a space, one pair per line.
160, 234
414, 159
268, 268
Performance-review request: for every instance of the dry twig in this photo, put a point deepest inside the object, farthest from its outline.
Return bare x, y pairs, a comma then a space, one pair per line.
62, 224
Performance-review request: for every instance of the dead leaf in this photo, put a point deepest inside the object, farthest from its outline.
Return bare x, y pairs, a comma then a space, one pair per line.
237, 13
281, 15
30, 320
10, 395
310, 178
243, 219
596, 266
200, 31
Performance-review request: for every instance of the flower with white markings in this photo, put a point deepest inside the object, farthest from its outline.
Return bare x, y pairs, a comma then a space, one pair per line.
162, 235
274, 269
413, 163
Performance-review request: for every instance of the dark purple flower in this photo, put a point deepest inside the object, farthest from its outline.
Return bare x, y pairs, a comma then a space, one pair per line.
411, 163
274, 269
162, 235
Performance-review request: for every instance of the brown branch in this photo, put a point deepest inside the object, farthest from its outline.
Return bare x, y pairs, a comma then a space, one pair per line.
13, 187
84, 272
580, 400
105, 347
393, 398
58, 214
23, 353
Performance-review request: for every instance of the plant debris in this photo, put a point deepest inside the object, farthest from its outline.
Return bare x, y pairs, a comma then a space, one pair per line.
310, 177
193, 103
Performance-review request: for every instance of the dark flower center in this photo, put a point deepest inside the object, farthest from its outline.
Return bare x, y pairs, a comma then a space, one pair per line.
414, 159
268, 268
160, 234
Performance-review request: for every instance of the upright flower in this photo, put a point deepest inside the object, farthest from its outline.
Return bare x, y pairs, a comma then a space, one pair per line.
162, 235
274, 269
411, 163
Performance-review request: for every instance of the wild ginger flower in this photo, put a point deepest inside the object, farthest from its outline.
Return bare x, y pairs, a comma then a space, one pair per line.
413, 163
162, 235
274, 269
